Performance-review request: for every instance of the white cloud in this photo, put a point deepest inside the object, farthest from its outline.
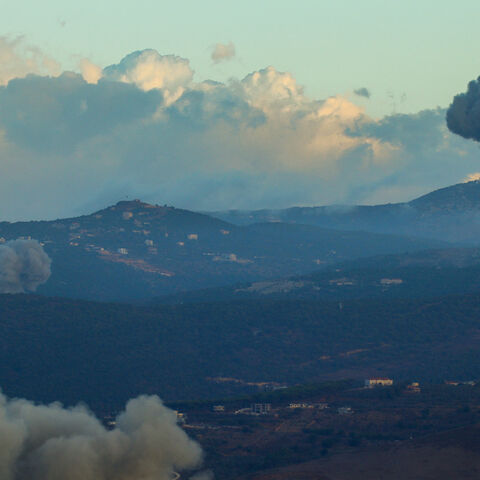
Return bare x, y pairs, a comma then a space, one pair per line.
90, 72
147, 69
269, 88
222, 52
17, 59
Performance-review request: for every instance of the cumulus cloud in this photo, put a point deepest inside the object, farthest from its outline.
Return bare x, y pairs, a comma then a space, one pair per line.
49, 442
24, 266
463, 115
147, 69
222, 52
362, 92
144, 128
90, 72
17, 59
269, 88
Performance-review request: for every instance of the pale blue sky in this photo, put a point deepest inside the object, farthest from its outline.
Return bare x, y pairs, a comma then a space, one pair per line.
424, 49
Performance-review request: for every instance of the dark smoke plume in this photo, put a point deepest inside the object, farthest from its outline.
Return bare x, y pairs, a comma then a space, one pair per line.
463, 115
39, 442
24, 266
362, 92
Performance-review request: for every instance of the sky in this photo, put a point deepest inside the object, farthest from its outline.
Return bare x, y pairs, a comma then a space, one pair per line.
230, 105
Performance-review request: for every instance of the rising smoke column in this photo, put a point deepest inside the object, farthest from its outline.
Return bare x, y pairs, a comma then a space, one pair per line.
39, 442
24, 266
463, 115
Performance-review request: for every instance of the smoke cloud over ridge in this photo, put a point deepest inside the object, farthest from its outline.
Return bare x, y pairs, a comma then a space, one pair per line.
463, 115
39, 442
24, 266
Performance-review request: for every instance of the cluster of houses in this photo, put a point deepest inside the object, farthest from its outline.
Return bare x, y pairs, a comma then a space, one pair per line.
320, 406
266, 408
255, 409
456, 383
258, 409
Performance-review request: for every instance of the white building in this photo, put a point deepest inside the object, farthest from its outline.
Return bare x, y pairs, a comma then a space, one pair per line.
378, 382
391, 281
261, 408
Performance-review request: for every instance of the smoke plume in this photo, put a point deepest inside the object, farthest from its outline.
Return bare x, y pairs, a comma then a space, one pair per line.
362, 92
463, 115
54, 443
24, 266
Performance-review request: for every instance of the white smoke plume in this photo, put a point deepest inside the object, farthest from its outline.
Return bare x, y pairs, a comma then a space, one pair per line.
39, 442
24, 266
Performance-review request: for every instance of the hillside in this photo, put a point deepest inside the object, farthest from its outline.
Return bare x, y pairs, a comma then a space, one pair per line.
214, 350
450, 213
389, 433
134, 251
423, 274
442, 456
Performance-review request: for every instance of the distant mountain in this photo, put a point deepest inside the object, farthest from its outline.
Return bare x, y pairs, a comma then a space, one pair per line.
135, 251
463, 197
189, 352
451, 213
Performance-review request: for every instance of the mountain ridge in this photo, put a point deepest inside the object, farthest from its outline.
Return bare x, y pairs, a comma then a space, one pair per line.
132, 250
451, 213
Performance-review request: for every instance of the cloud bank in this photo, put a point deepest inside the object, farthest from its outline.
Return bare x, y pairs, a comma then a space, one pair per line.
24, 266
145, 128
53, 443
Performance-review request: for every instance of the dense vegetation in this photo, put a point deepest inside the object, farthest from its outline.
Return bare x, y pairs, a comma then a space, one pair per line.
55, 349
423, 274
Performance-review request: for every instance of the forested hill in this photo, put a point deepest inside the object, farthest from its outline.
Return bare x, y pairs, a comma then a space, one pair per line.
135, 251
424, 274
212, 350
